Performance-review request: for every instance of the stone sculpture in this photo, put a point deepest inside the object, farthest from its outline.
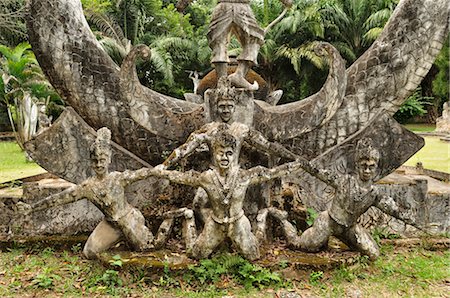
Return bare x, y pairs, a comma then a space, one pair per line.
325, 127
236, 16
226, 185
107, 192
354, 195
243, 133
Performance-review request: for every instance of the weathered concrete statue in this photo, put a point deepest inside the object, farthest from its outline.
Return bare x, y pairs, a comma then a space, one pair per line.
145, 123
226, 184
107, 192
236, 17
242, 132
354, 195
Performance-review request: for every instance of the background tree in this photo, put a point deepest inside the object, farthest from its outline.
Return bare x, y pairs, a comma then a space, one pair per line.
354, 24
12, 24
440, 84
22, 87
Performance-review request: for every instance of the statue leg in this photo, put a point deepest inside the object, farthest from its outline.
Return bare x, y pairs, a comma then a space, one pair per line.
166, 226
164, 231
220, 57
247, 58
359, 238
103, 237
316, 237
211, 236
221, 69
290, 232
189, 229
238, 77
135, 231
240, 233
261, 225
199, 203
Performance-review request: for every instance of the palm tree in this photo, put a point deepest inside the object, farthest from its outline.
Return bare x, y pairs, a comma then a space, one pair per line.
109, 34
290, 43
134, 15
112, 28
22, 87
354, 24
12, 24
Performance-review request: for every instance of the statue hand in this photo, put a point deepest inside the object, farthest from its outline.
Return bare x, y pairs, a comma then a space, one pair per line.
23, 208
160, 167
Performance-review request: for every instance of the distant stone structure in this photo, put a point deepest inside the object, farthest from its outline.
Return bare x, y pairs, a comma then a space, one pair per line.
443, 122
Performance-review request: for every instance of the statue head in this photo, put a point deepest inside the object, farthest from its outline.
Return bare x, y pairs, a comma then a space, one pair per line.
224, 150
225, 100
101, 152
366, 159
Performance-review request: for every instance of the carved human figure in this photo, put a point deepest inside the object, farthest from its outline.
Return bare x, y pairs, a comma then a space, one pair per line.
354, 195
226, 185
236, 17
242, 133
107, 192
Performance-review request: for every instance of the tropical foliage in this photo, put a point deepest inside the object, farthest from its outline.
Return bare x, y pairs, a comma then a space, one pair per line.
415, 105
22, 88
12, 25
176, 34
441, 81
354, 24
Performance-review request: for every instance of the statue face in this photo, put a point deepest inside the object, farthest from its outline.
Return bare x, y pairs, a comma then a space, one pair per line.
101, 163
224, 157
367, 169
225, 108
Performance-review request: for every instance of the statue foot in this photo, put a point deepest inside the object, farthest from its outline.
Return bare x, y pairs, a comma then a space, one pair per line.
240, 82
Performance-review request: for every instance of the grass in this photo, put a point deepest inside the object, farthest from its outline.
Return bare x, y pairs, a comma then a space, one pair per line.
47, 272
420, 127
13, 164
415, 272
435, 155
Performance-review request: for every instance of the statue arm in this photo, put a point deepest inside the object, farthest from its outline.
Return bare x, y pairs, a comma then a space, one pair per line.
262, 174
192, 178
196, 139
70, 195
132, 176
257, 140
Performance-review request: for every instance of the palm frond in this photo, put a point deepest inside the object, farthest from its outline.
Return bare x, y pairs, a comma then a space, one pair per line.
107, 26
162, 61
115, 49
372, 34
378, 19
305, 51
6, 51
21, 50
345, 50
